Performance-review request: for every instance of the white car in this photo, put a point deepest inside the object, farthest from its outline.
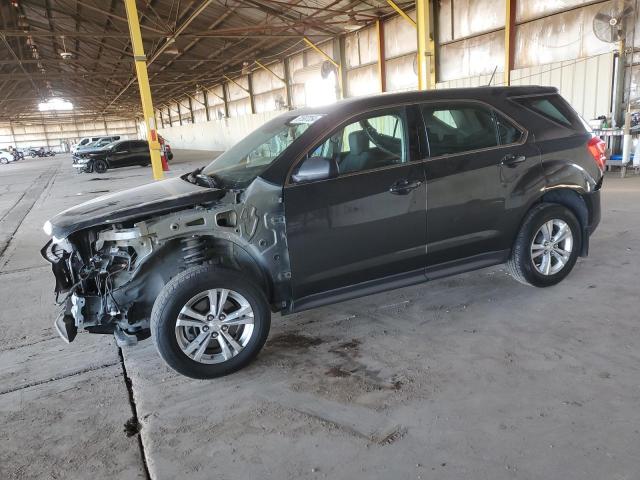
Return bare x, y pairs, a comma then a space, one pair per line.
5, 157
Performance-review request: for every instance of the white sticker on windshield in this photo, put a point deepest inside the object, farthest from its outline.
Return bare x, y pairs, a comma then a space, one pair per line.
307, 119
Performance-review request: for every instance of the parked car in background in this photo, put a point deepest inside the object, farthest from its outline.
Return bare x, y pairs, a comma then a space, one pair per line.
84, 142
123, 153
92, 147
325, 204
6, 157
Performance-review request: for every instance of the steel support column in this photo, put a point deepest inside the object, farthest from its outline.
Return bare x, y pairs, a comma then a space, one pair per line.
143, 85
509, 38
252, 99
382, 61
287, 79
205, 96
426, 45
225, 99
193, 118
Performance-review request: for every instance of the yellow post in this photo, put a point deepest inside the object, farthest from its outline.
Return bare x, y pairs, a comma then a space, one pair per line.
509, 32
382, 61
401, 12
426, 46
143, 85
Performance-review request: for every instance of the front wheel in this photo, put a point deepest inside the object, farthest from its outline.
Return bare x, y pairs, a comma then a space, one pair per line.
547, 246
100, 166
208, 322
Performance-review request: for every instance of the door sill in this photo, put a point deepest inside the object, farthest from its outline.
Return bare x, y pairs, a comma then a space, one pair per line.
467, 264
400, 280
363, 289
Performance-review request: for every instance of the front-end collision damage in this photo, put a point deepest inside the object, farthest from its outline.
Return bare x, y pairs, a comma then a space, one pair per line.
107, 278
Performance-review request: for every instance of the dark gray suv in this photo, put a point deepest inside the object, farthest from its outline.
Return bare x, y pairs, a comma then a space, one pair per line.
326, 204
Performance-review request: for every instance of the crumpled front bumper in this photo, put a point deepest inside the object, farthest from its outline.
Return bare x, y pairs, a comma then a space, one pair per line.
82, 167
58, 258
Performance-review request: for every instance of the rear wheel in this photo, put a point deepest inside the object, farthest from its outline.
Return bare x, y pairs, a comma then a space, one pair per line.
547, 246
100, 166
208, 322
4, 161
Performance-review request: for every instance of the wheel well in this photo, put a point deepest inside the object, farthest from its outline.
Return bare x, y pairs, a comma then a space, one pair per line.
230, 255
574, 202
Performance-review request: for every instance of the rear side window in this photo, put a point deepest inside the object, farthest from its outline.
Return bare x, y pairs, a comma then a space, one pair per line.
550, 107
457, 129
507, 132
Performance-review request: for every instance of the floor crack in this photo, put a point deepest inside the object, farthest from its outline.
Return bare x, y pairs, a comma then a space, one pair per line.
56, 378
134, 412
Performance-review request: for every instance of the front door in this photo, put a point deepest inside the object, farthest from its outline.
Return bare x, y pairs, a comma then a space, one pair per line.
369, 222
121, 155
478, 160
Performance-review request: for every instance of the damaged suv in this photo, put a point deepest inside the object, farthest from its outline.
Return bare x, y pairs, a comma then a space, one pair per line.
326, 204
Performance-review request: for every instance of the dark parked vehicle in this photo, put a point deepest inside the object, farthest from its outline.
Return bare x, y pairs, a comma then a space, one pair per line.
326, 204
123, 153
41, 152
92, 147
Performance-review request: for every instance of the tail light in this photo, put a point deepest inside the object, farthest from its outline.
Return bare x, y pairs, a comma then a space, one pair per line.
597, 149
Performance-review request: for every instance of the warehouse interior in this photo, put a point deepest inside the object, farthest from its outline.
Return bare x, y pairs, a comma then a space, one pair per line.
472, 376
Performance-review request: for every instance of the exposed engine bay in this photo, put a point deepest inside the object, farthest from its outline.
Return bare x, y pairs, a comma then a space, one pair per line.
108, 276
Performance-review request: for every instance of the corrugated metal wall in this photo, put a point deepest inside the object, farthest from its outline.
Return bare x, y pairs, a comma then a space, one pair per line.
585, 83
554, 45
55, 135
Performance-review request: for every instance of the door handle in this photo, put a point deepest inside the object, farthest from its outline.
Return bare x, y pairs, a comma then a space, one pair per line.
405, 186
512, 160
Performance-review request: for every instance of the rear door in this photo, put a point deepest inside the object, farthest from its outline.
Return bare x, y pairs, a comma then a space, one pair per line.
369, 222
140, 152
478, 160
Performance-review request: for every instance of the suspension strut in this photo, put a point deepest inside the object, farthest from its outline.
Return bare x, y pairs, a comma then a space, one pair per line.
193, 251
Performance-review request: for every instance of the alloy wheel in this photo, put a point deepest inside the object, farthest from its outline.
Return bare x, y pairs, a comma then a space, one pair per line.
551, 246
214, 326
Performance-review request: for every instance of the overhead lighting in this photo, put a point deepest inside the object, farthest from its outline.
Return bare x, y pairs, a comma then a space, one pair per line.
64, 54
55, 104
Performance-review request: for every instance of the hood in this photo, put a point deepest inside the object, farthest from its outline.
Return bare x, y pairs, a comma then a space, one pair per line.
93, 149
153, 198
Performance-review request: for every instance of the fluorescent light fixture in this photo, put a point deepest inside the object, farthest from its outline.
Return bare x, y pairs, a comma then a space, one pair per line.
55, 104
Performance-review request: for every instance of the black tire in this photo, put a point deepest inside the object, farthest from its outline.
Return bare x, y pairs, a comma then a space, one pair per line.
175, 295
100, 166
521, 264
4, 161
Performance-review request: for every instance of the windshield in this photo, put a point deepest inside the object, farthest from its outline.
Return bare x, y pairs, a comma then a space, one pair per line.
242, 163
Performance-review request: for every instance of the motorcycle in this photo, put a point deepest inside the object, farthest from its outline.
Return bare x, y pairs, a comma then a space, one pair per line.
41, 152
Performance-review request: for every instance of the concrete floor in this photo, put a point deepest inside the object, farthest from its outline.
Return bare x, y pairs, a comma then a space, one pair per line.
471, 377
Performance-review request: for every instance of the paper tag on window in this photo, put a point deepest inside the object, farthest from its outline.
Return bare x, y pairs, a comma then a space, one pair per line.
307, 119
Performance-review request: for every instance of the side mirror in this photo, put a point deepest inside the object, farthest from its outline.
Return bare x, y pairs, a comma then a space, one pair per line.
315, 168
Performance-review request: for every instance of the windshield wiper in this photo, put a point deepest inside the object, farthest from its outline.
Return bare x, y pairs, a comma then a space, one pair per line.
198, 178
207, 180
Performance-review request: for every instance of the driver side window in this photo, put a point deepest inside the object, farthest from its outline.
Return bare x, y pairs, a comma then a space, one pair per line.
367, 144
